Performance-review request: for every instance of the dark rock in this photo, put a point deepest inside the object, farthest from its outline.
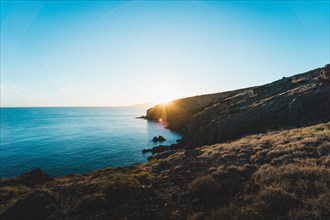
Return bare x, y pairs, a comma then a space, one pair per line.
325, 73
175, 146
141, 117
146, 150
161, 155
37, 205
30, 179
156, 149
158, 139
161, 138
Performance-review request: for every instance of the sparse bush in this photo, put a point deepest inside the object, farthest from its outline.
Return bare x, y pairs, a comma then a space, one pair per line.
273, 202
205, 189
161, 165
90, 204
143, 176
313, 208
301, 180
37, 205
120, 189
9, 192
234, 213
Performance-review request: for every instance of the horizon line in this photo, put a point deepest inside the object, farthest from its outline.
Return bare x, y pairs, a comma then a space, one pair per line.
85, 106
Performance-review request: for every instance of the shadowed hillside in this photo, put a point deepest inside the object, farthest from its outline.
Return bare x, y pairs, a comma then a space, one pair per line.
295, 101
178, 114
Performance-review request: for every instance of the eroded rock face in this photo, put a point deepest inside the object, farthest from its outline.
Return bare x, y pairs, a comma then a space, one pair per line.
37, 205
325, 73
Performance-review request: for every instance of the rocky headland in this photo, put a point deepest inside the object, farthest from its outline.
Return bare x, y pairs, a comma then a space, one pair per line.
256, 153
296, 101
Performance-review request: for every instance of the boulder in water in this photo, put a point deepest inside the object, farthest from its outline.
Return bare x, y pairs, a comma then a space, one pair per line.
158, 139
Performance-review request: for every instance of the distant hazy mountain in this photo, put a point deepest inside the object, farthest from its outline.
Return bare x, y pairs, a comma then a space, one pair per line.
145, 104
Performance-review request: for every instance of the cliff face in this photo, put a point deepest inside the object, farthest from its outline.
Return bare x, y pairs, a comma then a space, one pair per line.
179, 113
296, 101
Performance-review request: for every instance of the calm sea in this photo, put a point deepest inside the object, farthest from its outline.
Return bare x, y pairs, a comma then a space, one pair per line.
75, 140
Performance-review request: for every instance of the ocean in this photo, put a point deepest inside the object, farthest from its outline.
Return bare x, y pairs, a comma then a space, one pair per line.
68, 140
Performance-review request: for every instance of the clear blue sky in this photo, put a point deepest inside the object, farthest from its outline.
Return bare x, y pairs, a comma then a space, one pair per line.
62, 53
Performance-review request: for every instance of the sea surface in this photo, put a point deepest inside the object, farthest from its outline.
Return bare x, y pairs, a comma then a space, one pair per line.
61, 141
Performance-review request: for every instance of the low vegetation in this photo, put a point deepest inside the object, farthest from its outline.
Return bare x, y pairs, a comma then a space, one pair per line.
276, 175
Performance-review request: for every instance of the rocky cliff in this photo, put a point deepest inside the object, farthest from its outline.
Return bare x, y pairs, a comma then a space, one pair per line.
179, 113
295, 101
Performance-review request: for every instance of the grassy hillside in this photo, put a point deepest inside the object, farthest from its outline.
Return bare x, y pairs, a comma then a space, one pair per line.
276, 175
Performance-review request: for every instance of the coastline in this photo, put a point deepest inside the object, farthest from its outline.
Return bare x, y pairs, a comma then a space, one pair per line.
205, 179
266, 172
69, 140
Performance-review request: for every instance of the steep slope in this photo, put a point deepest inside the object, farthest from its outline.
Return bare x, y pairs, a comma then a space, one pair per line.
295, 101
178, 114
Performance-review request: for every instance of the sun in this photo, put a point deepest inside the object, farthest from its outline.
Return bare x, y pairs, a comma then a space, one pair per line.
164, 94
166, 101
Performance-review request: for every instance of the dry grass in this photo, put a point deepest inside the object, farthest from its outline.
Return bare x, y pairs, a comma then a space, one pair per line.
275, 175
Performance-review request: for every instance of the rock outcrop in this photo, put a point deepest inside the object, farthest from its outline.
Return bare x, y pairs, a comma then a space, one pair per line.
325, 73
156, 149
158, 139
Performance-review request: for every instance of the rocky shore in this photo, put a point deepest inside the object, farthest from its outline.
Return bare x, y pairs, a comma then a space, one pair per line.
256, 153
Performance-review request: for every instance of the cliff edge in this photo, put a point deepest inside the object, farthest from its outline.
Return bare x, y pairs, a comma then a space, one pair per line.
295, 101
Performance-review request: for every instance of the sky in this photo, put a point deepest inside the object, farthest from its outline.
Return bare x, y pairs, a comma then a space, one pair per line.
108, 53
